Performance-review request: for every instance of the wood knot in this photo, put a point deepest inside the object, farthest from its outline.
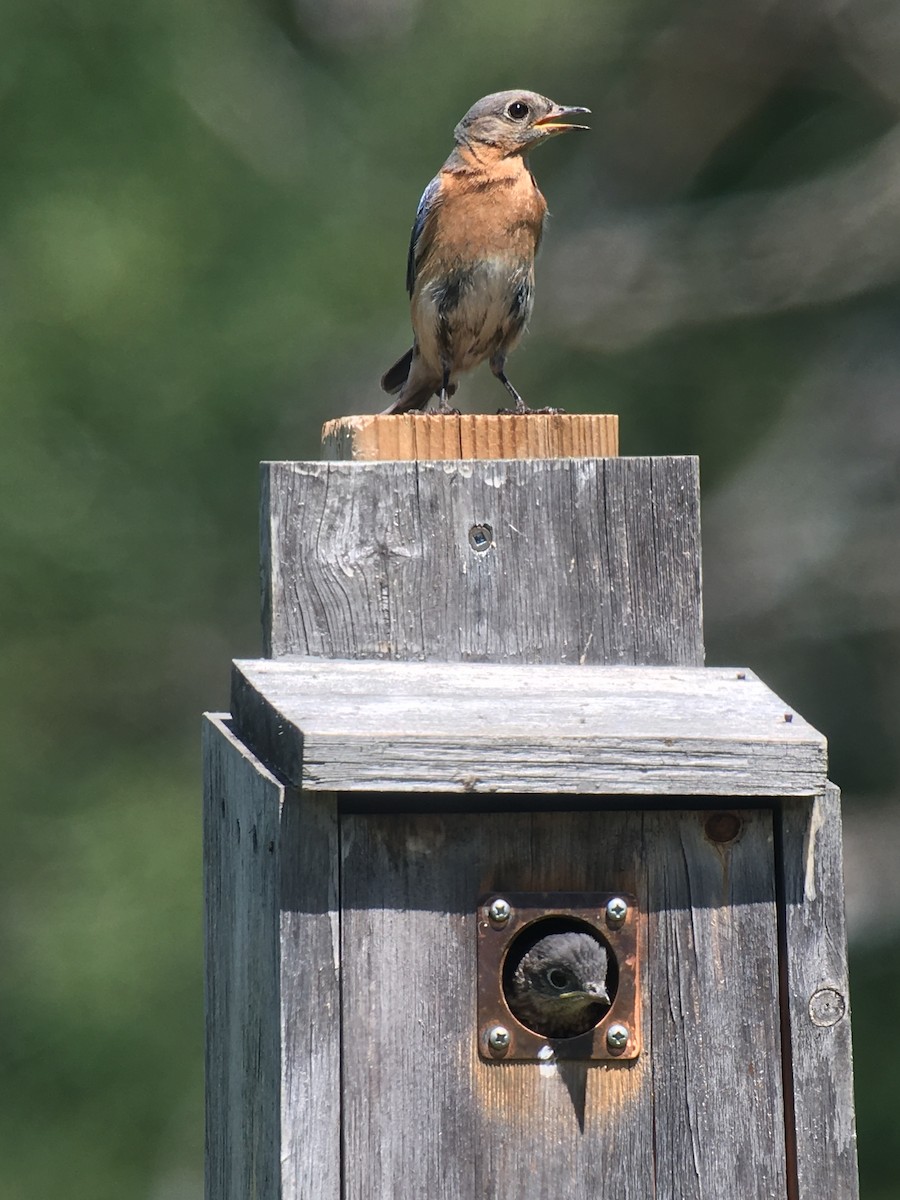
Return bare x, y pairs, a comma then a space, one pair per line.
722, 827
826, 1007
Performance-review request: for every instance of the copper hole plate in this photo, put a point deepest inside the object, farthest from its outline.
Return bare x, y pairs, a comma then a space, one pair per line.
626, 942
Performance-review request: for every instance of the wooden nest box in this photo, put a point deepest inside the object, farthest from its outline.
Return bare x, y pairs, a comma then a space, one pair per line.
484, 713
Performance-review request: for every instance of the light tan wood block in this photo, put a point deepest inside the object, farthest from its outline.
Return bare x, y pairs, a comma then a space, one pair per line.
428, 436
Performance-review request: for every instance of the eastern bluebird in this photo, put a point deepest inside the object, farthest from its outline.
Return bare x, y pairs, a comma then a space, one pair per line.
558, 986
470, 272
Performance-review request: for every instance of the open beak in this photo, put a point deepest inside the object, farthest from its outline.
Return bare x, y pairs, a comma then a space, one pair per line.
554, 121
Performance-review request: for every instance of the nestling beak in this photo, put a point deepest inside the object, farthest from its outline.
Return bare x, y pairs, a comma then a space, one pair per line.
598, 991
595, 993
553, 122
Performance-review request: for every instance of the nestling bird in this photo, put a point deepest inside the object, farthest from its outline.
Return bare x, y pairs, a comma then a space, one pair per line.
558, 988
470, 271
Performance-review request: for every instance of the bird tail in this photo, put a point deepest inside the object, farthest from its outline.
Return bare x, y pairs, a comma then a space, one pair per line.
397, 379
394, 377
417, 399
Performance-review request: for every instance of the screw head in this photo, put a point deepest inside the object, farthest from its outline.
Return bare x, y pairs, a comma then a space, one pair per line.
617, 1037
616, 911
481, 537
500, 911
498, 1039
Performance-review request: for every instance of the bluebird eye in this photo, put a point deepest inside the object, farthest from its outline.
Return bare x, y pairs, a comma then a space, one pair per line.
557, 978
518, 110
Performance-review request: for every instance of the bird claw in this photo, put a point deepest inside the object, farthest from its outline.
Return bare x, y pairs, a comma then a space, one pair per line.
444, 407
525, 411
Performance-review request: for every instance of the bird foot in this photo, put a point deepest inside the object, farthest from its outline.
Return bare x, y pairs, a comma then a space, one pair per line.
444, 407
525, 411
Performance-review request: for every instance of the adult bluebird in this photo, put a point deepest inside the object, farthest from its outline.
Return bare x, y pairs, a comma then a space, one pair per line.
470, 272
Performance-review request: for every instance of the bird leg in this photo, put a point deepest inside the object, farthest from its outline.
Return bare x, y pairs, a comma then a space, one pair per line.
521, 409
445, 408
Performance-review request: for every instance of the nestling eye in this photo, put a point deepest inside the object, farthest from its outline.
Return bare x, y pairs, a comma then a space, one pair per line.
557, 978
518, 110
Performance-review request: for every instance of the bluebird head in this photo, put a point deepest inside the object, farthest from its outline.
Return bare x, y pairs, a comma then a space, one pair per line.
558, 984
514, 122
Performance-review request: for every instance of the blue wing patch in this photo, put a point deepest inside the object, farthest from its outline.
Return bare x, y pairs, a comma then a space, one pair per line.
426, 207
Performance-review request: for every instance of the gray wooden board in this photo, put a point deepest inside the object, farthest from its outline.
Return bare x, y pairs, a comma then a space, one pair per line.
593, 560
310, 998
273, 1048
241, 815
715, 1007
369, 726
697, 1117
818, 1008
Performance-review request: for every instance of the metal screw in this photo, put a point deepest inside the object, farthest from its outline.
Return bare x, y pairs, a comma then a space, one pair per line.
500, 911
616, 911
498, 1039
617, 1037
481, 537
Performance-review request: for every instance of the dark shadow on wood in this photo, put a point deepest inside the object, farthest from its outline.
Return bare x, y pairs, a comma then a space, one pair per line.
380, 803
714, 887
787, 1053
574, 1076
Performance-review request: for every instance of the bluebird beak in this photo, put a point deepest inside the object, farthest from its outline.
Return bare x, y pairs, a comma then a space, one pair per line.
594, 993
553, 122
597, 992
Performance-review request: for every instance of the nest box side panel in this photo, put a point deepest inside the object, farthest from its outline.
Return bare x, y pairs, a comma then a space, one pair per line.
586, 560
272, 1029
241, 951
818, 1004
697, 1116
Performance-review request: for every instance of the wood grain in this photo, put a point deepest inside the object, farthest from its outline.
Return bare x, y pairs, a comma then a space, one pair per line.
480, 728
696, 1117
433, 437
820, 1060
585, 560
310, 998
714, 1010
272, 1033
241, 810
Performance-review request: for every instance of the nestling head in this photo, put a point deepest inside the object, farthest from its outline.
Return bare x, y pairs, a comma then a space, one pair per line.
559, 984
514, 122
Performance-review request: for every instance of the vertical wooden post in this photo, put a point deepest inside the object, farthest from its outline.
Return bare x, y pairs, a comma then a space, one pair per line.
488, 677
520, 559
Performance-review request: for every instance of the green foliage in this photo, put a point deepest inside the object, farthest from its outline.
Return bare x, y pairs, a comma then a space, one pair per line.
202, 257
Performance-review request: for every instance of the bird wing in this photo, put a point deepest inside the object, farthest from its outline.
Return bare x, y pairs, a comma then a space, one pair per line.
422, 231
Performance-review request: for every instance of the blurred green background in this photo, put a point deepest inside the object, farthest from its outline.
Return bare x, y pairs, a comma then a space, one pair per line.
205, 217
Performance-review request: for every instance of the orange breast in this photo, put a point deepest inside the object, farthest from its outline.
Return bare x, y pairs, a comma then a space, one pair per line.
490, 214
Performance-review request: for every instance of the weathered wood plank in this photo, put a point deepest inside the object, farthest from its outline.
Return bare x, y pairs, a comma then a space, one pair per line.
470, 435
241, 812
426, 1116
719, 1112
310, 998
272, 1049
582, 560
370, 726
820, 1061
